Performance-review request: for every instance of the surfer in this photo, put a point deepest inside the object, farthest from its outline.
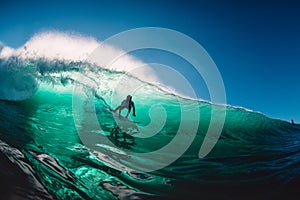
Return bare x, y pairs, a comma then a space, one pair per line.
293, 122
126, 103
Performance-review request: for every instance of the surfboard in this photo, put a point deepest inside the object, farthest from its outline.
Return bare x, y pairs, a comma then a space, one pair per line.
120, 117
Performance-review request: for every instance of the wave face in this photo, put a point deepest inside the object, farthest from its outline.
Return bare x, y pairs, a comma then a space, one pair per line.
255, 156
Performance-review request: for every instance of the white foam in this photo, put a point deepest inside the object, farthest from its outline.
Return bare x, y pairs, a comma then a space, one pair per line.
54, 45
72, 47
6, 52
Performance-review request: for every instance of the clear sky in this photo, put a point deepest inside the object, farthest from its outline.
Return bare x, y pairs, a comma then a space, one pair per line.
255, 44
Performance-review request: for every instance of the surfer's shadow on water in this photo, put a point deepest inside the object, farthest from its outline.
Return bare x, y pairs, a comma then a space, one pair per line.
122, 138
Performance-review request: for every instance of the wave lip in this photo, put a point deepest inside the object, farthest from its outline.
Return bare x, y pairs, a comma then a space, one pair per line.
16, 82
46, 53
53, 55
58, 57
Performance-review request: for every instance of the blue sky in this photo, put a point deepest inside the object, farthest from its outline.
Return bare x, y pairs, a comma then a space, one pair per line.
256, 45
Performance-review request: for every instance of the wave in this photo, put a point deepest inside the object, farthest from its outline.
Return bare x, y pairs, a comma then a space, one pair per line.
53, 67
250, 145
58, 58
23, 180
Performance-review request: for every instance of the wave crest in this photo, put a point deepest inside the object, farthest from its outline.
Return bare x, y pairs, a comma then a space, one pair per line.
52, 56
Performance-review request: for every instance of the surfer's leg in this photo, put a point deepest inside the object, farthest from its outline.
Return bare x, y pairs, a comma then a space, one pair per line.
118, 108
129, 109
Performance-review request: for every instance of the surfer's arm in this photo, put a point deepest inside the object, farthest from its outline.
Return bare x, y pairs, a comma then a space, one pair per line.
133, 107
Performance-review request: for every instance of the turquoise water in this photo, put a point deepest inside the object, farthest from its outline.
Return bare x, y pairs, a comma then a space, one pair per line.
43, 154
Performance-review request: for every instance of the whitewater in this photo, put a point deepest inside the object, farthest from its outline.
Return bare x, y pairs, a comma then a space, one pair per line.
44, 155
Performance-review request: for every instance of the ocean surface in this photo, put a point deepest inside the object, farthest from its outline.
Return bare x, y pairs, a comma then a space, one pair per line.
50, 149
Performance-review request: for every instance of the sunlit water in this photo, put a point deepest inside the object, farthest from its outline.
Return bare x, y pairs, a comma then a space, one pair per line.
42, 154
